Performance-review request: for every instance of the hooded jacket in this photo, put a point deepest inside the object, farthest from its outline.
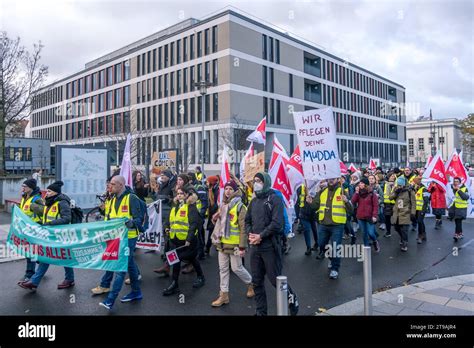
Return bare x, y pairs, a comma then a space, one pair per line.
405, 205
438, 196
262, 220
64, 216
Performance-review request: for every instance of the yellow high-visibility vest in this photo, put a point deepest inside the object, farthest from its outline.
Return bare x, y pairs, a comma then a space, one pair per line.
387, 193
302, 196
234, 237
25, 205
458, 201
179, 222
51, 213
107, 205
419, 199
199, 176
249, 194
123, 212
339, 215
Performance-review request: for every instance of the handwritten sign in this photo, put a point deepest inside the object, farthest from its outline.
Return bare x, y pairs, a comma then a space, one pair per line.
316, 134
253, 165
164, 160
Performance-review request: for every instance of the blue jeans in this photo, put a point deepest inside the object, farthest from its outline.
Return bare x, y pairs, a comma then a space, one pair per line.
309, 227
368, 230
120, 276
381, 216
333, 233
43, 268
30, 268
348, 227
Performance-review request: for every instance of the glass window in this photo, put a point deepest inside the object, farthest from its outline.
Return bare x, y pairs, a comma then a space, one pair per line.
159, 58
178, 51
191, 47
118, 73
185, 49
199, 44
154, 59
214, 72
178, 82
185, 80
126, 96
118, 98
110, 76
214, 39
171, 53
264, 46
102, 79
206, 41
215, 106
270, 48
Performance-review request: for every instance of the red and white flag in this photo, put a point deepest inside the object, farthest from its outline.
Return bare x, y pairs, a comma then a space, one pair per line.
126, 167
258, 135
248, 154
455, 168
295, 169
428, 161
225, 173
435, 171
280, 180
353, 168
343, 168
278, 150
372, 164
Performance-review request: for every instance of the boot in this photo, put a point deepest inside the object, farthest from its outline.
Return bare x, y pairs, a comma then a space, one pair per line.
172, 289
250, 291
221, 300
199, 282
163, 269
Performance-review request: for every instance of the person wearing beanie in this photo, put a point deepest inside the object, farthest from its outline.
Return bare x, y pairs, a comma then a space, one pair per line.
202, 206
458, 209
404, 209
230, 240
32, 205
57, 211
264, 223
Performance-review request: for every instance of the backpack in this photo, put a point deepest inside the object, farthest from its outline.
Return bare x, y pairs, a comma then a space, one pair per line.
76, 215
269, 208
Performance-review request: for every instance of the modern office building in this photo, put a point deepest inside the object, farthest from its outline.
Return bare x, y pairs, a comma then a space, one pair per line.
146, 88
426, 136
23, 155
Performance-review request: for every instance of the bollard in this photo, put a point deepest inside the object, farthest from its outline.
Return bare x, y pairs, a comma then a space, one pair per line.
367, 281
282, 295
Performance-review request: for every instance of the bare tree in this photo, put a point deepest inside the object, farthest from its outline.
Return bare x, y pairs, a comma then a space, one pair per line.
235, 138
21, 75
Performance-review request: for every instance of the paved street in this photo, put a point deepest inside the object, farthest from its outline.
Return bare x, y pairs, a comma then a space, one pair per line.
308, 276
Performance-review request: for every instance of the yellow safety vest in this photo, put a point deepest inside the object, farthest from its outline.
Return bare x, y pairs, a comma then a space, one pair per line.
179, 222
234, 237
339, 215
25, 205
410, 181
387, 193
107, 205
199, 176
249, 194
123, 212
51, 213
302, 196
458, 201
419, 198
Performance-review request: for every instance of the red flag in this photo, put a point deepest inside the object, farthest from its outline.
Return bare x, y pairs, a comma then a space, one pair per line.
295, 169
428, 161
353, 168
225, 174
455, 168
258, 136
343, 168
278, 150
372, 165
435, 171
280, 180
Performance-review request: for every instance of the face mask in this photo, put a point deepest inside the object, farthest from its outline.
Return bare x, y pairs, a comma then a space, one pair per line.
159, 180
258, 186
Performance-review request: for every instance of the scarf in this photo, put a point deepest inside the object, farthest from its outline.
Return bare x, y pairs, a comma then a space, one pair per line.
222, 226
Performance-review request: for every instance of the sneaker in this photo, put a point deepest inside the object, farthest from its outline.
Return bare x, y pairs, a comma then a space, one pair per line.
382, 226
134, 295
320, 256
419, 241
457, 236
387, 235
293, 304
308, 251
376, 246
413, 229
128, 281
404, 247
333, 274
99, 290
108, 304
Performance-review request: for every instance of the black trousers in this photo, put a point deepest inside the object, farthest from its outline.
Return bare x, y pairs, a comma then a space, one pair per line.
420, 219
388, 223
265, 262
188, 254
403, 232
458, 223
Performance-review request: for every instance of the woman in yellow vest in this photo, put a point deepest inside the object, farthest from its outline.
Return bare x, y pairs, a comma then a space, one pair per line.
183, 229
230, 240
458, 209
422, 197
57, 211
31, 201
388, 203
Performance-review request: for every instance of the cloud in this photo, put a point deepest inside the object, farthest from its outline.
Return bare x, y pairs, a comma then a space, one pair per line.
426, 46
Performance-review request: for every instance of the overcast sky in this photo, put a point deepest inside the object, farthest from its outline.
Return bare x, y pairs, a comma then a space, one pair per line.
426, 46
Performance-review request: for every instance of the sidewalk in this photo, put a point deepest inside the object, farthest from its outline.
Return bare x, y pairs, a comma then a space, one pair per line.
444, 296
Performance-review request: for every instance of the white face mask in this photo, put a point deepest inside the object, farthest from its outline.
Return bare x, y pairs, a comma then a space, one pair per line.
258, 186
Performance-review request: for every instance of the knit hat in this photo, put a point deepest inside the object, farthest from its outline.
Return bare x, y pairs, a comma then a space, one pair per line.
167, 173
56, 186
212, 179
232, 184
365, 180
189, 189
31, 183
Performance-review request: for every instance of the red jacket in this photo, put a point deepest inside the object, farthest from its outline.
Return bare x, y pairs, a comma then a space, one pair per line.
438, 196
367, 205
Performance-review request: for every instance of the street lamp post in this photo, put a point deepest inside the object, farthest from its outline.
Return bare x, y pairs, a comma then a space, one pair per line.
202, 85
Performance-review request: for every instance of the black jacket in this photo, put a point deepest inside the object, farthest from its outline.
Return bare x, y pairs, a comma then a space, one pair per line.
305, 212
64, 216
459, 213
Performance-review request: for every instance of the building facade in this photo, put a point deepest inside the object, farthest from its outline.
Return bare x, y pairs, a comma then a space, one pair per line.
146, 88
426, 137
22, 155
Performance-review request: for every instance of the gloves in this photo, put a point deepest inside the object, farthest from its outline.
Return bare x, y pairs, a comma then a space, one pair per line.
129, 224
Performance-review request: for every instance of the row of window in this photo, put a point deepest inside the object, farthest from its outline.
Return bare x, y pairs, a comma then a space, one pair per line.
421, 144
359, 151
54, 134
272, 110
270, 49
354, 125
118, 123
176, 82
52, 96
18, 154
182, 50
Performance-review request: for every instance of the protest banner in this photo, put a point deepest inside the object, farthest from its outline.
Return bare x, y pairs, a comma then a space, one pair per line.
253, 165
101, 245
316, 134
152, 238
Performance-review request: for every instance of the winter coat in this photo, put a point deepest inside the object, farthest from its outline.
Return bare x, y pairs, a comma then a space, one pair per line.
194, 221
405, 205
438, 196
305, 212
367, 203
387, 207
64, 216
459, 213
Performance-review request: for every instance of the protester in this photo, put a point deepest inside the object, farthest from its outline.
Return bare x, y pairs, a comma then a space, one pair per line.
404, 210
438, 202
388, 203
57, 211
183, 228
264, 223
458, 209
422, 197
202, 206
307, 217
377, 189
213, 195
140, 186
200, 175
230, 239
